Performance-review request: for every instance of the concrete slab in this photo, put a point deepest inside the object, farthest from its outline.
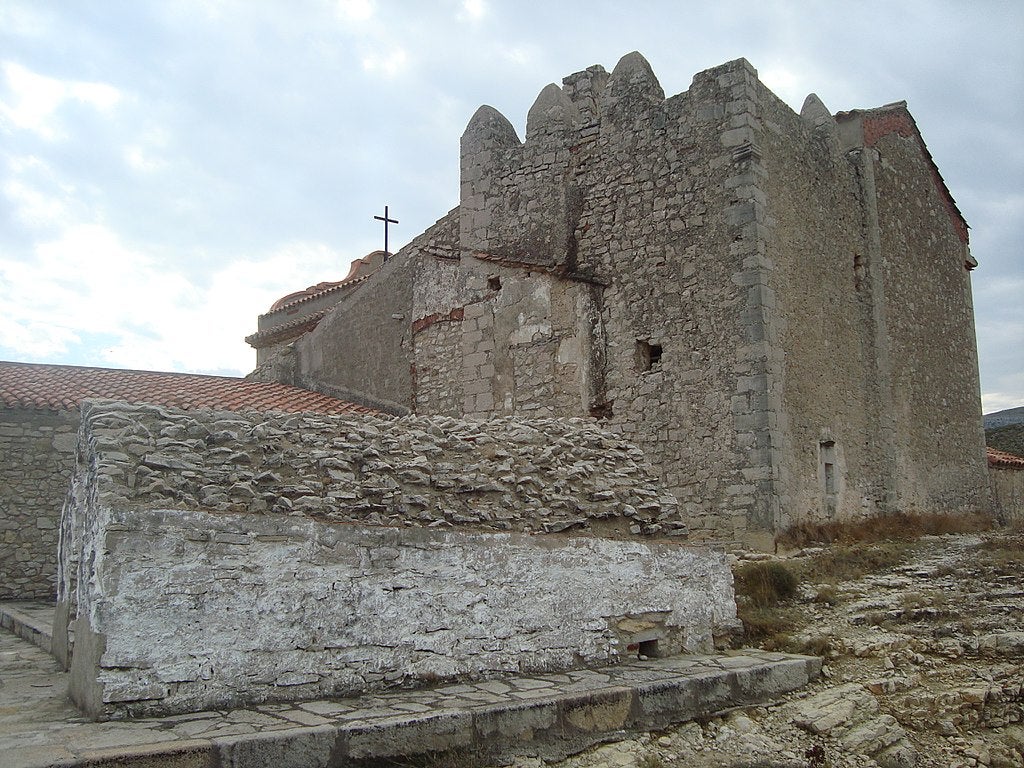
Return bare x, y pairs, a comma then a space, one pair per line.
562, 714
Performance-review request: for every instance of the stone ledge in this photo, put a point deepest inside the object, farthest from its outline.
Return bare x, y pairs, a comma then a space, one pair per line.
23, 618
548, 715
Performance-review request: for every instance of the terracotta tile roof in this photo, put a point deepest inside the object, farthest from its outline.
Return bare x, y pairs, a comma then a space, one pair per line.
359, 271
1004, 460
285, 331
63, 387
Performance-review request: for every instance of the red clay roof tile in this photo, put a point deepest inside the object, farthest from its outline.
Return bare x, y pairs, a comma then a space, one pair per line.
1004, 459
63, 387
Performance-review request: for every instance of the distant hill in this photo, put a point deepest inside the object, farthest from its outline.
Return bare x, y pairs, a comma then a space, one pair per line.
1009, 438
1002, 418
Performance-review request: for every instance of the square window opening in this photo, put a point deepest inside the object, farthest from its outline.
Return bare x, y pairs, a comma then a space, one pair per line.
648, 355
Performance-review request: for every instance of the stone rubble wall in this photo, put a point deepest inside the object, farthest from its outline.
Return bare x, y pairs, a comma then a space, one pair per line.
821, 313
547, 475
939, 440
36, 462
184, 597
1007, 493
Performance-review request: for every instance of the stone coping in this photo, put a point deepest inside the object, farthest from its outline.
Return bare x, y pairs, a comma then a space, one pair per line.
550, 715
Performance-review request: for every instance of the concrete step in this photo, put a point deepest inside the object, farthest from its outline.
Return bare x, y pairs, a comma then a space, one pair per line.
29, 620
549, 715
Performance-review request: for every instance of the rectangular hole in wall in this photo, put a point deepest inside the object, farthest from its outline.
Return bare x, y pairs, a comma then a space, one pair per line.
648, 648
827, 457
830, 477
648, 355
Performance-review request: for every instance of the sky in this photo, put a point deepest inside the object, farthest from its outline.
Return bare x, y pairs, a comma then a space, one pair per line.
169, 168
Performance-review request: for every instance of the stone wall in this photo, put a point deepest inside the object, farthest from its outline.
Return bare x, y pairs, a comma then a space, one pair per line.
1007, 486
938, 438
820, 332
36, 463
362, 350
764, 302
209, 559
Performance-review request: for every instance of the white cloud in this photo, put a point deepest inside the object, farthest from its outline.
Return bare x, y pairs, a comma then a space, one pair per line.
389, 64
36, 196
473, 10
519, 55
35, 99
33, 207
355, 10
88, 284
1000, 401
145, 154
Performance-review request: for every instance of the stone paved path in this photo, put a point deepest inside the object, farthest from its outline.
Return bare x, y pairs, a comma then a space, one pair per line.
536, 714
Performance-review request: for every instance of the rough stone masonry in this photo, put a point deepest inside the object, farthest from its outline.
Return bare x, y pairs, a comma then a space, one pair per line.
210, 559
775, 307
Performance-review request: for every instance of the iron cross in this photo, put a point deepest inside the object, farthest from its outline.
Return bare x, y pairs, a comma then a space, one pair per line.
386, 221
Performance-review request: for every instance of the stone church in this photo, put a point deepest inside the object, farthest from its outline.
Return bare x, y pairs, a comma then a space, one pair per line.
775, 306
652, 323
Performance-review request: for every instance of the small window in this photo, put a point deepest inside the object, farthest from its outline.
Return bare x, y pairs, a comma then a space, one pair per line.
494, 283
648, 355
827, 455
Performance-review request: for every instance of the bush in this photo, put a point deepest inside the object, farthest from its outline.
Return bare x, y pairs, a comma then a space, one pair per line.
765, 584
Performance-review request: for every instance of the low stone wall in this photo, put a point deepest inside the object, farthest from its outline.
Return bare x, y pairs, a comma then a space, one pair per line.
184, 605
36, 461
503, 474
1007, 485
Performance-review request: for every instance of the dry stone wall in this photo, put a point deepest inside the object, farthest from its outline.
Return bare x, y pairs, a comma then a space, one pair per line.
36, 462
546, 475
183, 597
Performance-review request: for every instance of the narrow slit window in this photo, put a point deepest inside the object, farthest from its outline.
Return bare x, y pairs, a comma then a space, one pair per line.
827, 456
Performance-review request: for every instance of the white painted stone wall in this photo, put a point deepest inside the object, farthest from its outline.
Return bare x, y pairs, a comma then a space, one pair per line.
182, 609
199, 611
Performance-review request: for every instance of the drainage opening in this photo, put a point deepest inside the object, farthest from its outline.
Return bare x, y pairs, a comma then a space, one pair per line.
648, 648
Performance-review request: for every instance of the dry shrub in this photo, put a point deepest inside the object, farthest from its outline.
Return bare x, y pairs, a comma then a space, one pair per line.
765, 583
455, 758
1002, 554
760, 588
827, 595
767, 627
816, 646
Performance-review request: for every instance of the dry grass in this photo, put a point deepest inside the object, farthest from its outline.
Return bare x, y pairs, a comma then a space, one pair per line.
765, 583
760, 589
458, 758
888, 527
850, 562
1003, 555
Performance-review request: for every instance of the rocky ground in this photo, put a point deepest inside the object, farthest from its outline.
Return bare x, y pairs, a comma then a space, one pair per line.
924, 666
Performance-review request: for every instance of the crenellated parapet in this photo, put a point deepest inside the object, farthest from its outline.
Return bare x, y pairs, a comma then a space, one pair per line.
521, 200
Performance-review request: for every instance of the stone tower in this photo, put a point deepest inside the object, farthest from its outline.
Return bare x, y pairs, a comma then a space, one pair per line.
775, 306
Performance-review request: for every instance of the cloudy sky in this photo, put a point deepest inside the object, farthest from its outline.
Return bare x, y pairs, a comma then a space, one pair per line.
168, 168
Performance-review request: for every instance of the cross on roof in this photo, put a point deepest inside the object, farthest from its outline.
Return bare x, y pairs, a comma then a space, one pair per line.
386, 221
